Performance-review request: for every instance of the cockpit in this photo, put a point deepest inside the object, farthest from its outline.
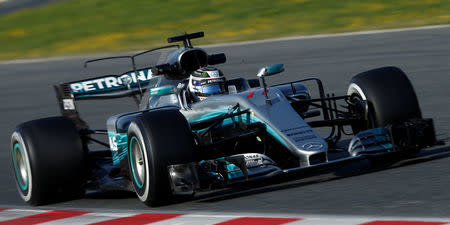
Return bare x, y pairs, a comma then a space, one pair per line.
164, 92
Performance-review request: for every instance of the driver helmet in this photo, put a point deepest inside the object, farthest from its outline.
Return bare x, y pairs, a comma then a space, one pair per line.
206, 81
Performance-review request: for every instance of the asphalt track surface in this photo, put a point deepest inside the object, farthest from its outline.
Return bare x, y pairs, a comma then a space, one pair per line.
415, 187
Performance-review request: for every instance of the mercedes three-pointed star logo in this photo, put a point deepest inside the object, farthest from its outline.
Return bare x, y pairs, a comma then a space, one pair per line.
312, 146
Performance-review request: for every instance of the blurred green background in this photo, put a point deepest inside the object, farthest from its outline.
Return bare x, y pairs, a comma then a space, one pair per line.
76, 27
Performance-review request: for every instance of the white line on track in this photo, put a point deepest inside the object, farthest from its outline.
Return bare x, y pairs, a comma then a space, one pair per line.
22, 61
330, 35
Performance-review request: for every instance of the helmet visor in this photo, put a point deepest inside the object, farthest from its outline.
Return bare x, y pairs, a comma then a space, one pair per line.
211, 89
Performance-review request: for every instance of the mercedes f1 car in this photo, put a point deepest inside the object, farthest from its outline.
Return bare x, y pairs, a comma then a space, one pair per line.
176, 146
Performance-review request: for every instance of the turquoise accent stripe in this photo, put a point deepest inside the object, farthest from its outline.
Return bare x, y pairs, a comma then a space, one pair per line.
233, 171
16, 167
228, 121
164, 90
210, 115
269, 129
121, 142
131, 160
382, 135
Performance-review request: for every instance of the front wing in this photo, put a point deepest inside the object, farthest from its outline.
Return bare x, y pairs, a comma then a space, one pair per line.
216, 173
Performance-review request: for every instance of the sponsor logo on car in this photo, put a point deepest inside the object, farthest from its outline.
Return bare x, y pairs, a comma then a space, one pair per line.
312, 146
110, 82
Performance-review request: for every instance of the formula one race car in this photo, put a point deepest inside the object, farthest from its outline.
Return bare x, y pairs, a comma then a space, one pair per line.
177, 144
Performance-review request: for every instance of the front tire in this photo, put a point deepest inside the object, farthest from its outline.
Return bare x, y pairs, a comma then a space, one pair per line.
389, 95
48, 160
385, 96
157, 139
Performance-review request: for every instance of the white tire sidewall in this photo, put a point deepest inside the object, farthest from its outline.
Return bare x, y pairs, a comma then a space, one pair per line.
355, 89
135, 129
17, 137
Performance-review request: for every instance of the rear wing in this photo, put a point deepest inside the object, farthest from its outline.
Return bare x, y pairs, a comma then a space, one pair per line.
104, 87
109, 86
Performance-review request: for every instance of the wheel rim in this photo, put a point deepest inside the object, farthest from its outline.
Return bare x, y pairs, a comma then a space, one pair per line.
364, 112
137, 162
20, 167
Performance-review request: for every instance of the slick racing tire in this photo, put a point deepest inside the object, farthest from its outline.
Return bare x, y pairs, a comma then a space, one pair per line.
385, 96
48, 160
157, 139
389, 95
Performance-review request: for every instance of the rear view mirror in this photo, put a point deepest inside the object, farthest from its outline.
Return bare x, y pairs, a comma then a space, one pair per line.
270, 70
164, 90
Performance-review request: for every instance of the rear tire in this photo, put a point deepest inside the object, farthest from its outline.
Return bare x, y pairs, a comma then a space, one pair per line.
48, 160
157, 139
